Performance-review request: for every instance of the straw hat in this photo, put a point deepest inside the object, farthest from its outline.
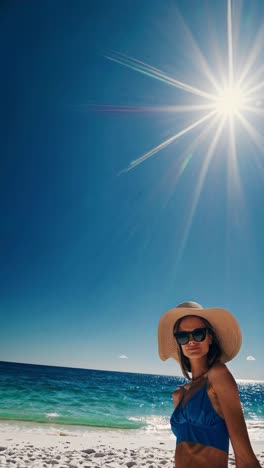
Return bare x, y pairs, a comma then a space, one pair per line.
225, 325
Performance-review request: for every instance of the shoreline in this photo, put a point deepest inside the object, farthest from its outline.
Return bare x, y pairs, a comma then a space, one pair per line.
30, 445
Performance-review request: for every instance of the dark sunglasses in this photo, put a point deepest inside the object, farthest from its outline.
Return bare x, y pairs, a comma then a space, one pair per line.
183, 337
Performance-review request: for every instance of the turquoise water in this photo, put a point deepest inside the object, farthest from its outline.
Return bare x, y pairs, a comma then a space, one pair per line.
95, 398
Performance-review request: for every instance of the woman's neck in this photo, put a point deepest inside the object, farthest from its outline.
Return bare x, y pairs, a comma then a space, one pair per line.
199, 377
198, 369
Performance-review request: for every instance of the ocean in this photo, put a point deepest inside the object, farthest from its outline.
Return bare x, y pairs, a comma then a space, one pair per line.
92, 398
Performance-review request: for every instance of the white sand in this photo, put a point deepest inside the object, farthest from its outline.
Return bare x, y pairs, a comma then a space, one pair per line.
28, 445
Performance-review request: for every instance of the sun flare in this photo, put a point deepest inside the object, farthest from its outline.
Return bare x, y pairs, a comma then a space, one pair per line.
230, 101
219, 107
221, 104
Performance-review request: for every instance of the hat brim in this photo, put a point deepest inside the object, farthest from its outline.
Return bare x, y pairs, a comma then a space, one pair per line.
225, 325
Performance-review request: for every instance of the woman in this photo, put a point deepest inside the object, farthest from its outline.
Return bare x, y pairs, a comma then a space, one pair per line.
207, 409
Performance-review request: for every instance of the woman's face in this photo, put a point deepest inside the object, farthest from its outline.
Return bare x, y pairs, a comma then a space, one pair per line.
194, 349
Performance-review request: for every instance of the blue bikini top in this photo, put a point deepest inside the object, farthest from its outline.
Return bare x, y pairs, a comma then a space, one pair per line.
197, 421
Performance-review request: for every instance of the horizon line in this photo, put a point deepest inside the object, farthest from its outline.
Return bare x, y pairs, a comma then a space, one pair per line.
239, 380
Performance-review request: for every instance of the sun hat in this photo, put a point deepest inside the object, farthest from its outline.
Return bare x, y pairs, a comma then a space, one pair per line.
225, 326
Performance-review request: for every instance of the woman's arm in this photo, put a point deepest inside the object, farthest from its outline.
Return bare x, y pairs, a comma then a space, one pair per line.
226, 390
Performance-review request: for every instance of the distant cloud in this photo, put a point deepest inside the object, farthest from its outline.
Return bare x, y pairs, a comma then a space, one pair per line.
250, 358
122, 356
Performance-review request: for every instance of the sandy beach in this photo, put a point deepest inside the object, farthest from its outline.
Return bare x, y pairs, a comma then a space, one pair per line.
25, 445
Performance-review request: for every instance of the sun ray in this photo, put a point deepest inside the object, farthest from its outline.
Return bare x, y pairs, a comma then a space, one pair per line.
256, 49
254, 89
232, 172
230, 45
197, 53
155, 73
257, 138
152, 109
167, 142
168, 183
184, 158
255, 110
254, 78
199, 186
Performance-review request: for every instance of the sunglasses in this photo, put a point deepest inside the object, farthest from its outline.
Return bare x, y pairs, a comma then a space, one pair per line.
183, 337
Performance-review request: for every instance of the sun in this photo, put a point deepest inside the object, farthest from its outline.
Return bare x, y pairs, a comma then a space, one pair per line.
221, 106
230, 101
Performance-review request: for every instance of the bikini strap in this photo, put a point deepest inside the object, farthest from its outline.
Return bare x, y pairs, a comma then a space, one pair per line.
182, 393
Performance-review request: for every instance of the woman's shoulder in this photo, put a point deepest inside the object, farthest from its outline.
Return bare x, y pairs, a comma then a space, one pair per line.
218, 369
219, 374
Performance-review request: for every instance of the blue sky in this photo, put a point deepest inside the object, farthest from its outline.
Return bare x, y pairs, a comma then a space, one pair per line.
92, 256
